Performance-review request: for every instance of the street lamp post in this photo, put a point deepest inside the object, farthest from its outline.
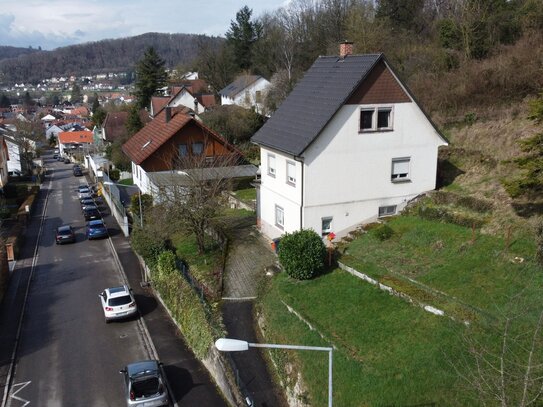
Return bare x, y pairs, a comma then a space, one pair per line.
236, 345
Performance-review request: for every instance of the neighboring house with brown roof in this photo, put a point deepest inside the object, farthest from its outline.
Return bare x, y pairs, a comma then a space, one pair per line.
348, 145
114, 126
69, 140
158, 151
191, 94
247, 91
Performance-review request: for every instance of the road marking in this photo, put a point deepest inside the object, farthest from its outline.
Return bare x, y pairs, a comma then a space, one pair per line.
13, 393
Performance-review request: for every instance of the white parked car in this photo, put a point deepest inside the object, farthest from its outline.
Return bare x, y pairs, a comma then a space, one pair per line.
118, 303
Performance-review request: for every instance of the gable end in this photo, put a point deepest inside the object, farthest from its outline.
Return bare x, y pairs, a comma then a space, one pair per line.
380, 86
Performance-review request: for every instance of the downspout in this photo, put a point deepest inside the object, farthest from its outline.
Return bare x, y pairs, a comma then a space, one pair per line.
301, 160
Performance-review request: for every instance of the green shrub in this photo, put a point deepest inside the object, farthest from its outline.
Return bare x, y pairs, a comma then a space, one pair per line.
302, 254
115, 175
147, 245
383, 232
183, 303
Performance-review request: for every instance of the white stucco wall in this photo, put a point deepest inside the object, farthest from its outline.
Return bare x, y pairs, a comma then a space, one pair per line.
14, 153
186, 99
347, 174
247, 97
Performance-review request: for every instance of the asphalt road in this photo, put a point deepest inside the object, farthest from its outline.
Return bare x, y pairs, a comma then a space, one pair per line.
67, 355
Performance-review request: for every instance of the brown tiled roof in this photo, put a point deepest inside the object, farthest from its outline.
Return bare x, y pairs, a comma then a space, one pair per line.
146, 141
158, 102
115, 125
75, 137
157, 132
207, 100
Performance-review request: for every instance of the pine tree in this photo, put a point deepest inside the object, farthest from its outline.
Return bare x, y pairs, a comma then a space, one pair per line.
133, 123
242, 35
150, 77
76, 96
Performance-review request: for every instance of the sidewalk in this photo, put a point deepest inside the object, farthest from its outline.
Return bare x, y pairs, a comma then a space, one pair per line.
248, 257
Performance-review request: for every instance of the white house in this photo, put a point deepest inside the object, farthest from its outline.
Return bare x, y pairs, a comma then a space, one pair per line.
348, 145
246, 91
53, 130
14, 153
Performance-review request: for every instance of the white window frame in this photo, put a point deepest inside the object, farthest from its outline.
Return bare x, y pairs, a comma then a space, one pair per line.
387, 210
326, 231
279, 217
271, 165
291, 173
375, 118
400, 176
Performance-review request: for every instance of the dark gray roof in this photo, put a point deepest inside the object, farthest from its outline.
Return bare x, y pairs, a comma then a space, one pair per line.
316, 98
239, 85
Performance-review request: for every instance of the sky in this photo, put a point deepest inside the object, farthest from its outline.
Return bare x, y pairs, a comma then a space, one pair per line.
55, 23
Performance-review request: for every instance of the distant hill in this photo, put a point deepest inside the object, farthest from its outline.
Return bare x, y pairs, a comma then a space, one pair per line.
113, 55
14, 52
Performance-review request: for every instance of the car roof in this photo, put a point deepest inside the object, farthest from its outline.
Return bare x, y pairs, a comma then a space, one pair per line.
118, 291
64, 228
142, 368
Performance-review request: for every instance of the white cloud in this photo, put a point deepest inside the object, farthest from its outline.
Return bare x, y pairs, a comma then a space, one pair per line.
55, 23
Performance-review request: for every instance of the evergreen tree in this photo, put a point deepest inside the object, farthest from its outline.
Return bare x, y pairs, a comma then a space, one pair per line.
242, 36
133, 123
95, 103
4, 101
27, 100
76, 96
150, 77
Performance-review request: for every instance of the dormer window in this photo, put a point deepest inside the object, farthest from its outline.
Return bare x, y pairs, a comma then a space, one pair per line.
375, 119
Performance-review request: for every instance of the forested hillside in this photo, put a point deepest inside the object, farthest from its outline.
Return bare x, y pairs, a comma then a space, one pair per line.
13, 52
454, 54
102, 56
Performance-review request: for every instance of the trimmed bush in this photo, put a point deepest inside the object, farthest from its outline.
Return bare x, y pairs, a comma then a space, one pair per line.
302, 254
443, 215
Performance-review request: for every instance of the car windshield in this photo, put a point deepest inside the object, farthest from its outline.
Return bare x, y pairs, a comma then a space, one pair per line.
64, 231
145, 387
96, 226
117, 301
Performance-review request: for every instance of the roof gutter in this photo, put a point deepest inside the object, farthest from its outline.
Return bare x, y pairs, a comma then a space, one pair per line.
301, 161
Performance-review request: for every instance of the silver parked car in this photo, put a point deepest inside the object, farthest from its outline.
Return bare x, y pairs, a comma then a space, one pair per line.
144, 384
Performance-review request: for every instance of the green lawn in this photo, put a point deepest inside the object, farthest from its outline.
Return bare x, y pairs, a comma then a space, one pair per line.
388, 351
247, 195
446, 258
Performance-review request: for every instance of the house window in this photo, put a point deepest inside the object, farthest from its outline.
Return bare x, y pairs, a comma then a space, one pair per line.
376, 119
279, 217
326, 226
271, 165
387, 210
210, 160
183, 150
400, 169
291, 173
197, 148
366, 120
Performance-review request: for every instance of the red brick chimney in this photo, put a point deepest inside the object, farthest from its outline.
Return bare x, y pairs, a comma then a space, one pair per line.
167, 114
345, 48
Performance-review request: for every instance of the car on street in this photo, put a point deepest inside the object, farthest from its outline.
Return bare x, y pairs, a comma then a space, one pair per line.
96, 229
118, 303
55, 156
77, 171
87, 202
144, 384
65, 234
67, 160
91, 213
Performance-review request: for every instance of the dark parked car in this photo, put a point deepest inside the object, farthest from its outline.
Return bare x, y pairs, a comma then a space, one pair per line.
87, 202
91, 213
65, 234
144, 384
67, 160
78, 172
55, 156
96, 229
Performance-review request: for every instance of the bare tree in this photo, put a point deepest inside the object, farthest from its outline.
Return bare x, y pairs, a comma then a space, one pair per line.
192, 193
504, 365
27, 134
